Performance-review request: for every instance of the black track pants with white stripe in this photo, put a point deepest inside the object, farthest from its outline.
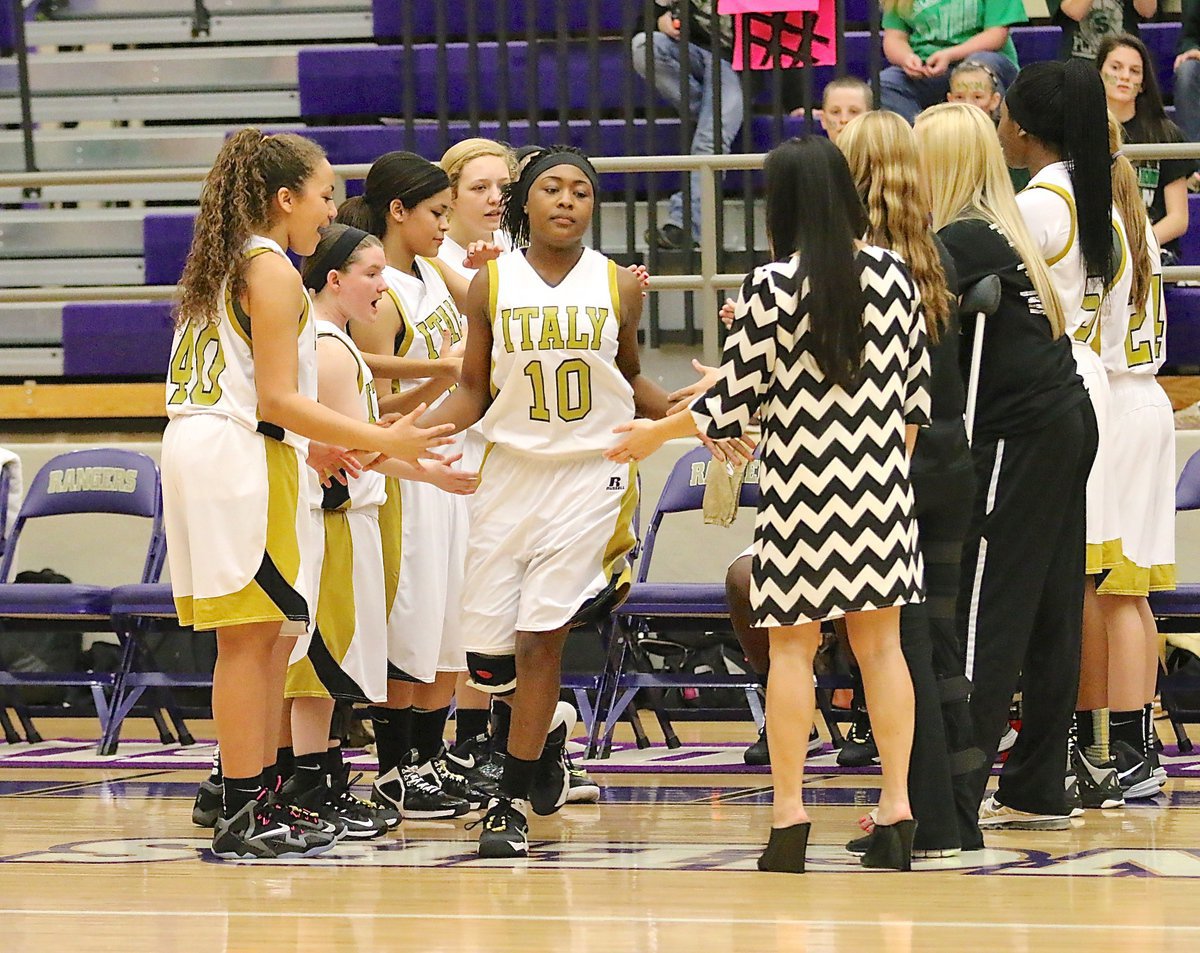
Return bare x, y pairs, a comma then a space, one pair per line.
1021, 601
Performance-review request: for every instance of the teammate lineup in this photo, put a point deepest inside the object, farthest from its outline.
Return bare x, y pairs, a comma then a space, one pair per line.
401, 475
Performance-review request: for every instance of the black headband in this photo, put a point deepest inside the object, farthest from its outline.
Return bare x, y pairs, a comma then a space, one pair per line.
547, 161
333, 259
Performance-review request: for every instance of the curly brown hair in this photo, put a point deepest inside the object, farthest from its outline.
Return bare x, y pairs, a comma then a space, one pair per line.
882, 152
235, 203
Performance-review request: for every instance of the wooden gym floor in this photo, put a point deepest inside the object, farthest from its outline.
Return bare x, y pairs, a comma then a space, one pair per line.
107, 859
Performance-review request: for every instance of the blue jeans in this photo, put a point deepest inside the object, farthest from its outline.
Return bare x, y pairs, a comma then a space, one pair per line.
1187, 99
668, 80
902, 94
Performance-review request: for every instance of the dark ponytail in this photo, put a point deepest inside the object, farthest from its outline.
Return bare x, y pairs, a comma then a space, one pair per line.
813, 209
402, 176
1063, 105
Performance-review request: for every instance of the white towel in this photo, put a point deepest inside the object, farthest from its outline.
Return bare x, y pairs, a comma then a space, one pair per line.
11, 463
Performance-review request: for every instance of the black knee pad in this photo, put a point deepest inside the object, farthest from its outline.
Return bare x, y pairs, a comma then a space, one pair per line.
493, 674
965, 755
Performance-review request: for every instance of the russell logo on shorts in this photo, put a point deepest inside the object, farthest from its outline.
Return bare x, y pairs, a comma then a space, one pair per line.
616, 483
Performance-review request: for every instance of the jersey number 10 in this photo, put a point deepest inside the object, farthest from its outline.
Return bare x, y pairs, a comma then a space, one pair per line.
573, 390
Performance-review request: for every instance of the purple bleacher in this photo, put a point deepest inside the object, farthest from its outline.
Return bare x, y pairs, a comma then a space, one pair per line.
1183, 325
389, 22
116, 338
1189, 241
166, 239
1036, 43
1161, 40
368, 81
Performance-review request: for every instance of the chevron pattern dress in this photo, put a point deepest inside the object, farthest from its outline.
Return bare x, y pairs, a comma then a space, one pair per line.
835, 531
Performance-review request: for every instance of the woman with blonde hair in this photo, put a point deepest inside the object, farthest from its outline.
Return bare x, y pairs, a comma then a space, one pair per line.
1033, 444
882, 154
478, 170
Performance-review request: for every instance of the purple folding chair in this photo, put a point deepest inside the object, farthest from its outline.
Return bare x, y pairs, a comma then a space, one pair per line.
664, 606
111, 481
1179, 611
138, 610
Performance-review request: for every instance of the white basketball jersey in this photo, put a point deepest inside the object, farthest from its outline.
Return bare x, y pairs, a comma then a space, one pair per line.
429, 319
212, 367
557, 390
367, 489
1138, 342
1058, 240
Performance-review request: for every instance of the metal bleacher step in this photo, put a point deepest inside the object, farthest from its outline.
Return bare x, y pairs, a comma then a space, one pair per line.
133, 147
71, 233
210, 69
255, 105
337, 21
31, 361
49, 272
30, 324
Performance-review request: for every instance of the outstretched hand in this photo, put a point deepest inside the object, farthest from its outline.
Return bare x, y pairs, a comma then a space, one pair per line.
332, 463
682, 398
480, 253
406, 441
443, 475
642, 438
642, 274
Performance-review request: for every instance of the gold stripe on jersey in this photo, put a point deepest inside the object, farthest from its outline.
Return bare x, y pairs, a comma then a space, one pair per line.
1066, 197
614, 290
405, 334
239, 319
487, 452
336, 616
391, 522
493, 288
357, 363
1129, 579
1102, 556
623, 539
281, 560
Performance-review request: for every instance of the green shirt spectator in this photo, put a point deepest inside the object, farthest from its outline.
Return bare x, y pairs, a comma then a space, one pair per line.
934, 25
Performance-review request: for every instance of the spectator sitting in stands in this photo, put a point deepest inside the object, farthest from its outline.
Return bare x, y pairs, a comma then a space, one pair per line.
1085, 23
843, 99
1131, 87
708, 35
923, 39
1187, 74
973, 82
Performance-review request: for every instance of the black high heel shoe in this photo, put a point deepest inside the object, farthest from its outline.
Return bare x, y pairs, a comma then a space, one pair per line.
786, 849
890, 846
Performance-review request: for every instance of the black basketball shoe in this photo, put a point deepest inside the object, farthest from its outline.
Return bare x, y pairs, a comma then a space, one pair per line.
505, 829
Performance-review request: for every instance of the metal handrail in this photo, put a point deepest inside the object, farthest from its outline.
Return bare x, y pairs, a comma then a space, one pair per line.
709, 281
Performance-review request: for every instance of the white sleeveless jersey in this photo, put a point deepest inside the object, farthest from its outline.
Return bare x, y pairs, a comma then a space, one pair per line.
1135, 334
1094, 328
212, 368
1041, 203
429, 319
369, 489
557, 390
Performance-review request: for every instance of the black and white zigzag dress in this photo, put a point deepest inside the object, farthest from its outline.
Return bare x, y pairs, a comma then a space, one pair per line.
835, 531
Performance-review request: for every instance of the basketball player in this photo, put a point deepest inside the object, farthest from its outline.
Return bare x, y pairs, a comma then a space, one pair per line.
347, 655
551, 367
1142, 463
406, 202
235, 491
1054, 123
